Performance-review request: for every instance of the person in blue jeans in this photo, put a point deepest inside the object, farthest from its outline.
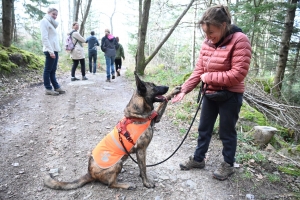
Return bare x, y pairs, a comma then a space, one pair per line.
51, 47
92, 47
109, 46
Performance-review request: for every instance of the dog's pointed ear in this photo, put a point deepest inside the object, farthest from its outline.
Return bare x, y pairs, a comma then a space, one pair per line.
141, 88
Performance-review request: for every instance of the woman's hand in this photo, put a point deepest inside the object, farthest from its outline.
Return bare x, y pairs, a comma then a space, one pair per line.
203, 77
178, 97
52, 55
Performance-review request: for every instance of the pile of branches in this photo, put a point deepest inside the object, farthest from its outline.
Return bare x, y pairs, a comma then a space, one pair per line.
279, 111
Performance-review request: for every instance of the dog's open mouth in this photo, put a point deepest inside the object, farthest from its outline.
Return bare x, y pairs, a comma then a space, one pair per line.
159, 98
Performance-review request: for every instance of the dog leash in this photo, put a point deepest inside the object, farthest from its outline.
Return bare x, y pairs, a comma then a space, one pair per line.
199, 100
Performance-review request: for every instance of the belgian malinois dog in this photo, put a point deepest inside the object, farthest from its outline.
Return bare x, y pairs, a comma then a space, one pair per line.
139, 111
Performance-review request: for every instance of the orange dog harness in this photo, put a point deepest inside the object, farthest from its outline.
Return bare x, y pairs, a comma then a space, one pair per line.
110, 150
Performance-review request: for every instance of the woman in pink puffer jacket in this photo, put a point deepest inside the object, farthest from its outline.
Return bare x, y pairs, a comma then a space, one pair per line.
222, 66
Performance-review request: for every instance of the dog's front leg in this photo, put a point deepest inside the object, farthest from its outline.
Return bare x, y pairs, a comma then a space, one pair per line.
162, 107
141, 158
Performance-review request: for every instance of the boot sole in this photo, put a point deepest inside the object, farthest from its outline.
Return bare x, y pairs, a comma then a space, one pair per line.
222, 178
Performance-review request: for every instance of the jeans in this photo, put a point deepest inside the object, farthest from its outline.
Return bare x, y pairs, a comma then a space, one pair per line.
229, 114
50, 70
75, 64
118, 63
92, 60
110, 69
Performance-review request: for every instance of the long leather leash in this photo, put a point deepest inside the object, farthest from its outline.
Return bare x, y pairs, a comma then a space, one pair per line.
199, 101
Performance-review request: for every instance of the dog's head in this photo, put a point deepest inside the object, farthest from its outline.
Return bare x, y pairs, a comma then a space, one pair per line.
149, 91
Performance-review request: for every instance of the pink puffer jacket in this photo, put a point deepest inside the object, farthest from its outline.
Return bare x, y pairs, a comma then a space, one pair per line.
226, 66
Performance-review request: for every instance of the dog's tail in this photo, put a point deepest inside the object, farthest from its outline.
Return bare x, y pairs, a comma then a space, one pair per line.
59, 185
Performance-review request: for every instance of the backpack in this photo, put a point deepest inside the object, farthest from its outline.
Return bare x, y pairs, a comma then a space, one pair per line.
69, 42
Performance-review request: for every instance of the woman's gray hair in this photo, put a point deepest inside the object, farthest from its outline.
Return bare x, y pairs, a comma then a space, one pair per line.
50, 10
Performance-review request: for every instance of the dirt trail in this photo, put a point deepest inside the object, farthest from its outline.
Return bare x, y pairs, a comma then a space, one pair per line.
40, 133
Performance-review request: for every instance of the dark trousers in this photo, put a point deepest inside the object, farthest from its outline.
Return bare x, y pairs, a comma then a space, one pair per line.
75, 64
92, 61
229, 113
49, 74
118, 63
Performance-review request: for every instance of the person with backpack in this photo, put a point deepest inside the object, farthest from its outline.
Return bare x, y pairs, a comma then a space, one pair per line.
119, 56
92, 47
51, 48
109, 46
77, 54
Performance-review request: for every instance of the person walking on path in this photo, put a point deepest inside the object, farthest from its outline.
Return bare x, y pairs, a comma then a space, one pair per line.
51, 48
222, 67
119, 56
109, 46
77, 54
92, 48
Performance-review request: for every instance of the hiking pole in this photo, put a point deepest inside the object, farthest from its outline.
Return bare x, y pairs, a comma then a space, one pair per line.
199, 100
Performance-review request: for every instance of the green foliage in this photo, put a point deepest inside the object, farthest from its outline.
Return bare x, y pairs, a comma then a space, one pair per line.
290, 169
247, 174
251, 114
33, 8
273, 178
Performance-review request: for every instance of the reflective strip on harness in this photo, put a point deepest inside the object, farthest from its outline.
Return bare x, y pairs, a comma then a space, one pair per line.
109, 150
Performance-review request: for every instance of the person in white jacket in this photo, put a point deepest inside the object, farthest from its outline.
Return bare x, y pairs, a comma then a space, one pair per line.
77, 54
51, 48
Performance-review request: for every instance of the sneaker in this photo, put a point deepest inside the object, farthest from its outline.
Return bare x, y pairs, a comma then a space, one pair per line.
224, 171
84, 78
118, 72
60, 91
51, 92
107, 80
113, 77
191, 163
75, 79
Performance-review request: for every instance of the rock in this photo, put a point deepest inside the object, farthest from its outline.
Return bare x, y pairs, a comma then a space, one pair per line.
263, 134
270, 148
249, 196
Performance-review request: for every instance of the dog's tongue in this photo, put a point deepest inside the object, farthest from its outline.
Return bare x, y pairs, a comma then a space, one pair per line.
160, 97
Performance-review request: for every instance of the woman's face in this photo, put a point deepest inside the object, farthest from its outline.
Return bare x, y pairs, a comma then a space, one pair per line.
53, 14
76, 27
214, 33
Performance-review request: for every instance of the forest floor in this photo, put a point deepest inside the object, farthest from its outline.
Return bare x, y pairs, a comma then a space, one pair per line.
41, 134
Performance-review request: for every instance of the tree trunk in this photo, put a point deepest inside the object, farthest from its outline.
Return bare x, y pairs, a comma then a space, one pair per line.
141, 60
293, 71
194, 38
86, 13
140, 63
284, 48
7, 21
76, 9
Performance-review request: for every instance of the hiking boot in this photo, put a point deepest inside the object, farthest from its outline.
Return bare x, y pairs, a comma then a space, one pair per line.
191, 163
113, 77
84, 78
60, 91
107, 80
75, 79
51, 92
224, 171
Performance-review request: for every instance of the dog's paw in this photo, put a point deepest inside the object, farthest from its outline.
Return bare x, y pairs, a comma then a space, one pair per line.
131, 187
149, 184
176, 90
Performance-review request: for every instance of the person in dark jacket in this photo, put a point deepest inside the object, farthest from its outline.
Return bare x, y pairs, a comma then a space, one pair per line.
222, 67
119, 56
92, 47
109, 46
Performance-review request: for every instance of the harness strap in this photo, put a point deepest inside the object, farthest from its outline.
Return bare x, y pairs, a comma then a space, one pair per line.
122, 125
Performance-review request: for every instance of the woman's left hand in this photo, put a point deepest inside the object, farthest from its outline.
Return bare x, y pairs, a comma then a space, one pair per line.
203, 77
